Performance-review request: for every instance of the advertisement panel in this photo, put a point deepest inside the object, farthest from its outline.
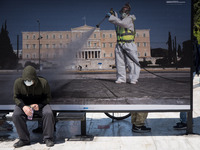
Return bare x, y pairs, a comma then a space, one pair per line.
162, 39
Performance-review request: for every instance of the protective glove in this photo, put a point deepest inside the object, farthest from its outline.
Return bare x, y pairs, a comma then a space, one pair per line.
112, 12
108, 15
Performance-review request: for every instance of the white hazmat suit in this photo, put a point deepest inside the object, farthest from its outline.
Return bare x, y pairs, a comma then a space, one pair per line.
126, 48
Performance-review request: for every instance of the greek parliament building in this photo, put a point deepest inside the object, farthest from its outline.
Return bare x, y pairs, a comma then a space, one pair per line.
97, 52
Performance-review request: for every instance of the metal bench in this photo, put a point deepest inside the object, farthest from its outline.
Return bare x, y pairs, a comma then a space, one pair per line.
60, 116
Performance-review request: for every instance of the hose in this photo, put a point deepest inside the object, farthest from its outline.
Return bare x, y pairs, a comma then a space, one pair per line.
137, 63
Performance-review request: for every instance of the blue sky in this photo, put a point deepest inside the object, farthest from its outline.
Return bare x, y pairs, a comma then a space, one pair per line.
61, 15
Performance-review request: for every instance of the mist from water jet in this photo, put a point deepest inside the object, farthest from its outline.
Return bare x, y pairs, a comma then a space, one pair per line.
67, 58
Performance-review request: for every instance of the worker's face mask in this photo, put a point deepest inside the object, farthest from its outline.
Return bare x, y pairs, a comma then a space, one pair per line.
123, 15
28, 82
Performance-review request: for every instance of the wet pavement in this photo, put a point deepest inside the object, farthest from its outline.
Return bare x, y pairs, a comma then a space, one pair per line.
106, 91
98, 88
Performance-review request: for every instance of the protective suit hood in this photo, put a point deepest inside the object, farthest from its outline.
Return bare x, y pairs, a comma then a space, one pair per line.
29, 73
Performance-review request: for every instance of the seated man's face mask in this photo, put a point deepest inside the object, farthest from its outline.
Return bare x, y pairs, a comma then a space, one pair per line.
28, 82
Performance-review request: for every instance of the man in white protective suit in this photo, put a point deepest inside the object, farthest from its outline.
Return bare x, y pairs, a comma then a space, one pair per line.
126, 55
126, 47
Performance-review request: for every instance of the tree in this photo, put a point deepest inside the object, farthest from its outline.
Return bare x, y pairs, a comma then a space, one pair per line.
174, 51
179, 51
169, 42
196, 19
186, 58
8, 59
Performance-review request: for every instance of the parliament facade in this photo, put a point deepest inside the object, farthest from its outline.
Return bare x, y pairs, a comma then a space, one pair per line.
97, 52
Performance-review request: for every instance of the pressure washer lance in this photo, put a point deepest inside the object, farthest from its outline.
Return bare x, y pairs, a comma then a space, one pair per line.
112, 13
101, 22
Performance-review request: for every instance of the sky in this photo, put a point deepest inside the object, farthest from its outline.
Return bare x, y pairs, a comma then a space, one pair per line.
160, 16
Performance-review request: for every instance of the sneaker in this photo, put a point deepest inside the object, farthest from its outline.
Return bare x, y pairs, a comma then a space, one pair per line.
140, 129
118, 82
133, 82
180, 126
37, 130
21, 143
49, 143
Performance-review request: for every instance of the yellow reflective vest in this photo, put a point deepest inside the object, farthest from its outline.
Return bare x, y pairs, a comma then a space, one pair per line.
125, 35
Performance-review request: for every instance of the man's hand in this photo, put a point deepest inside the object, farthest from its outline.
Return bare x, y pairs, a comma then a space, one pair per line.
35, 107
112, 12
108, 15
27, 110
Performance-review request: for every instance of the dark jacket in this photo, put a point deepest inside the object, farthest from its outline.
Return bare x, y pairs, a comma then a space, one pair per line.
39, 93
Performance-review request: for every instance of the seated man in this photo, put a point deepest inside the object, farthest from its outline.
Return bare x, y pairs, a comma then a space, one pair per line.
32, 95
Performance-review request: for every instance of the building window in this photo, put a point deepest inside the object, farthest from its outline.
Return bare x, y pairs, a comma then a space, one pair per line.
95, 44
40, 45
104, 35
137, 35
54, 36
144, 44
27, 56
104, 45
138, 54
110, 44
76, 35
60, 45
95, 35
27, 46
33, 56
111, 55
54, 45
145, 54
47, 36
33, 36
47, 46
27, 37
144, 35
104, 55
60, 36
138, 44
34, 46
110, 35
88, 43
67, 36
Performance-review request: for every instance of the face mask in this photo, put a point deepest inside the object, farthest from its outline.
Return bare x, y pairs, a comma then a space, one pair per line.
28, 82
124, 15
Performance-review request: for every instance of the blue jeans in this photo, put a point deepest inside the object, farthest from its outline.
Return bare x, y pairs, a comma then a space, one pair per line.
183, 117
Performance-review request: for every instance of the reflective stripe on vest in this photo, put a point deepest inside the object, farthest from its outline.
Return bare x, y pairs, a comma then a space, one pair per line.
124, 35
